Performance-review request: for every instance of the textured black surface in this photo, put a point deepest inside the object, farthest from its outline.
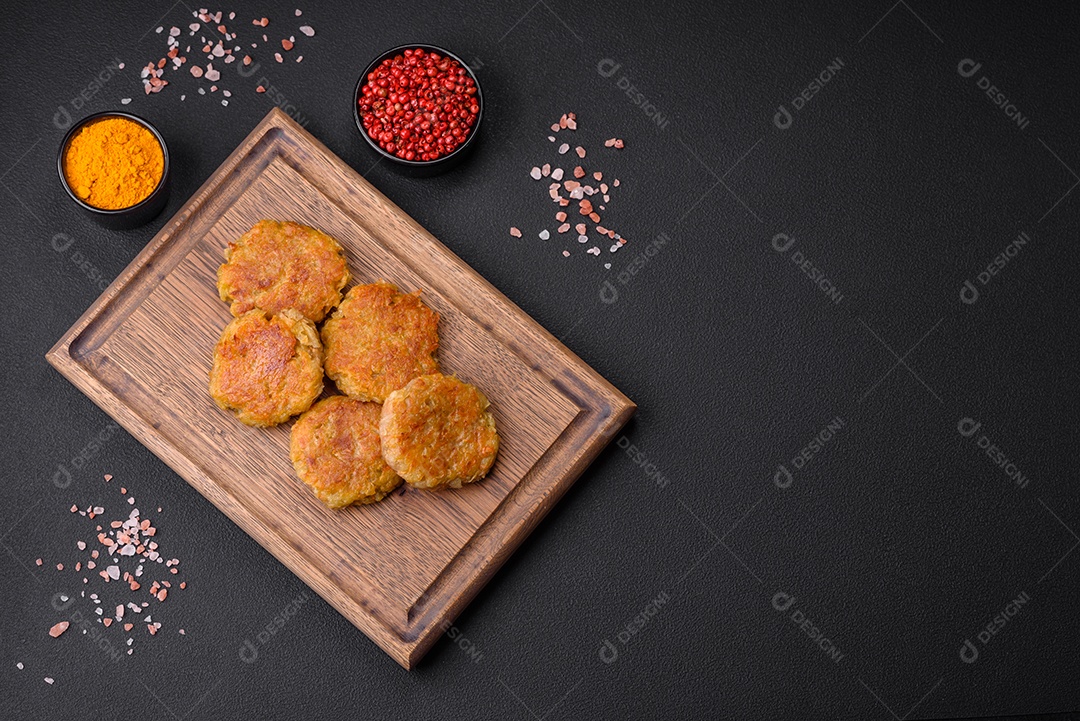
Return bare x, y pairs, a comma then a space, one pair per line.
898, 180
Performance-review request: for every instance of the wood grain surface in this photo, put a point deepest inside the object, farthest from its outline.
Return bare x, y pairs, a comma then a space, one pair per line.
399, 569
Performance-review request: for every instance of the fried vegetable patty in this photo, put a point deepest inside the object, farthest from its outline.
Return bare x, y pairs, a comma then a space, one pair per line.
437, 431
335, 450
378, 340
277, 265
267, 368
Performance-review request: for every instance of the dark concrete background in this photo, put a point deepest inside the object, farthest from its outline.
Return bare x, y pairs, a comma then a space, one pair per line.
899, 540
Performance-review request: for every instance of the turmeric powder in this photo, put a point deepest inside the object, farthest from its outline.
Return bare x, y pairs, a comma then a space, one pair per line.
113, 163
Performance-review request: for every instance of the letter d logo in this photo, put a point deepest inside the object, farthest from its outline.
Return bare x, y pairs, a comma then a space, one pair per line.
607, 67
782, 477
59, 603
782, 119
608, 293
61, 242
969, 293
967, 427
968, 652
782, 242
608, 653
248, 652
782, 601
968, 67
62, 118
62, 478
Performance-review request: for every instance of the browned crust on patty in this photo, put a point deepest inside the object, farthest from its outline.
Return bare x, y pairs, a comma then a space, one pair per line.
378, 340
335, 450
266, 367
278, 265
437, 431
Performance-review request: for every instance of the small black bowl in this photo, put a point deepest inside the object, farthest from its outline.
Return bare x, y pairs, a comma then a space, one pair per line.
420, 168
122, 218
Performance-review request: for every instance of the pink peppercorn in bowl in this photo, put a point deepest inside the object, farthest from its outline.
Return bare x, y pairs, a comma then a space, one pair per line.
420, 107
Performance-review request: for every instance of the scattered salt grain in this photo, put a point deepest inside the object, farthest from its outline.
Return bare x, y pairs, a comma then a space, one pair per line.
307, 30
49, 680
576, 190
513, 231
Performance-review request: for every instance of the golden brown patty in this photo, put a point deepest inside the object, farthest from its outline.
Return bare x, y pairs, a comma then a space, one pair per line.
437, 431
267, 368
275, 266
335, 450
378, 340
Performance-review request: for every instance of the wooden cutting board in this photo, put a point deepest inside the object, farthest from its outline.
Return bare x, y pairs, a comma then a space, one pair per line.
401, 570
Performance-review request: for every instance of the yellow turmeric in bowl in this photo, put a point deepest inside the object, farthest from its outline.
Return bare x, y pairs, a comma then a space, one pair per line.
113, 163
